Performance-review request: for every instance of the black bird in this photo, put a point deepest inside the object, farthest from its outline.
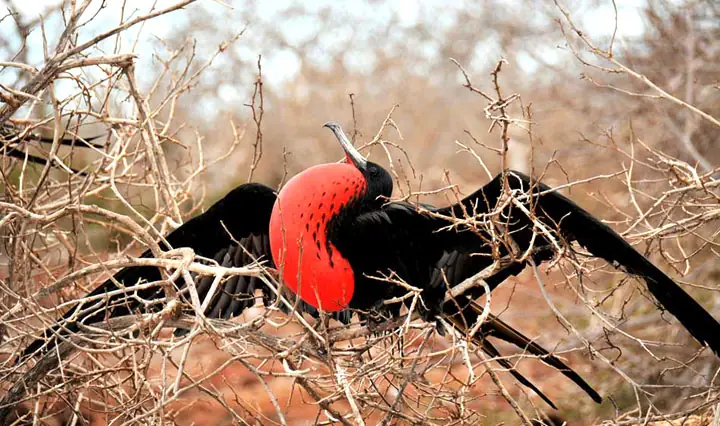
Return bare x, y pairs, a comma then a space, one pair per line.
331, 233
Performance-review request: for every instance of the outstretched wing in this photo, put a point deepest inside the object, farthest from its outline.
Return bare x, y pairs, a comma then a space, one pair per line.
573, 223
237, 292
399, 238
243, 212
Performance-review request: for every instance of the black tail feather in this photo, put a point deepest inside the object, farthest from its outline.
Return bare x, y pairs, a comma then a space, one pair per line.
501, 330
489, 349
494, 327
600, 240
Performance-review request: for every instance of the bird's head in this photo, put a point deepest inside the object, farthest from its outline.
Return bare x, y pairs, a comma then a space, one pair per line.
379, 181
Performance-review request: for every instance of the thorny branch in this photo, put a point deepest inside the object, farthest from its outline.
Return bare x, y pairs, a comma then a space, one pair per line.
132, 369
258, 110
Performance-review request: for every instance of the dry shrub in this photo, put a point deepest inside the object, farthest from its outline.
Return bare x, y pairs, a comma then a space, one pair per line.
633, 141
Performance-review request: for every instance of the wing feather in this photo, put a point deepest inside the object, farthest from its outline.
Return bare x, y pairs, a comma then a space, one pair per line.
243, 211
576, 224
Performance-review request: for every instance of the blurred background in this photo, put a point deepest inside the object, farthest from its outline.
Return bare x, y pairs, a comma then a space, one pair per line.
355, 62
315, 54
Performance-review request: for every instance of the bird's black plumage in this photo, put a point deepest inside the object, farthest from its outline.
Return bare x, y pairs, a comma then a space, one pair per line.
238, 240
410, 240
209, 234
416, 244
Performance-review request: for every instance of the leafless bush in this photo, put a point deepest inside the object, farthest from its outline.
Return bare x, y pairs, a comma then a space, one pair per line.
646, 117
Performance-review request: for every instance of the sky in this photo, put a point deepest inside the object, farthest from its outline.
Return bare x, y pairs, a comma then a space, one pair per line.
281, 66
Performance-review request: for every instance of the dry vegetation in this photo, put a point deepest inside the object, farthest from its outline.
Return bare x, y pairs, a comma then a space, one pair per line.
187, 116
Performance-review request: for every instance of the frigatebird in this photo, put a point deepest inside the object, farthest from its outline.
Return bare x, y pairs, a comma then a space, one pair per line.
11, 137
336, 240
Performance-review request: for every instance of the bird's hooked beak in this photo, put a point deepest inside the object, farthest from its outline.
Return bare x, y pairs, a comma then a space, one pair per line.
352, 154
